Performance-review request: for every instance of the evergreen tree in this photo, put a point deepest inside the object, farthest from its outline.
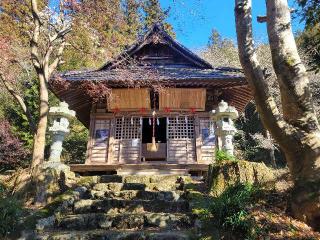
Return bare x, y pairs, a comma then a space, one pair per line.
155, 14
309, 40
132, 17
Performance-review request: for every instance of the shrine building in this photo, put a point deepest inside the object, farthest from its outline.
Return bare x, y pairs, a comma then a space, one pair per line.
156, 116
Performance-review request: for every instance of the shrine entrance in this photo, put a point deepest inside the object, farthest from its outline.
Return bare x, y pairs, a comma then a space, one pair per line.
160, 128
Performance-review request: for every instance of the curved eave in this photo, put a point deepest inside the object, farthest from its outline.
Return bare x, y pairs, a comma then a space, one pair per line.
235, 91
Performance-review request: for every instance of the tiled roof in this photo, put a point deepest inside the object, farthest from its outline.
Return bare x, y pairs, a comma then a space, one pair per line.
161, 73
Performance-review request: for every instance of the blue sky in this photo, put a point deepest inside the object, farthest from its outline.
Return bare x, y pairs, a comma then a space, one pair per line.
193, 20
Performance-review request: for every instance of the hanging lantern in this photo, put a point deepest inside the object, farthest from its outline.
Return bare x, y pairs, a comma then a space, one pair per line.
158, 121
150, 122
141, 121
131, 120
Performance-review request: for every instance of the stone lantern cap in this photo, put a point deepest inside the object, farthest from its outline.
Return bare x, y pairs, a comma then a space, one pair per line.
224, 110
62, 111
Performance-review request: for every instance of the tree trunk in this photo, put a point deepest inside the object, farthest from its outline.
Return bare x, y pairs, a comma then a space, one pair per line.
40, 135
305, 197
297, 132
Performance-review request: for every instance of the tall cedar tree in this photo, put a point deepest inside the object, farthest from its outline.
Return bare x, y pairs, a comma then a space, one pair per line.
132, 17
155, 14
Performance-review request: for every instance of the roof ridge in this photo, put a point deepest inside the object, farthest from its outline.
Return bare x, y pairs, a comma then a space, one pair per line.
157, 28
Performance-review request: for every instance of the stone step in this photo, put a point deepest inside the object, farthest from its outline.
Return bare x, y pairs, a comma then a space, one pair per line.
136, 205
114, 235
143, 179
138, 194
116, 187
125, 221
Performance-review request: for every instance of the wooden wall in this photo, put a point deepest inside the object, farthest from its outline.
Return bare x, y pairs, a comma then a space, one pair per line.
181, 140
99, 141
129, 99
183, 99
208, 141
118, 140
126, 143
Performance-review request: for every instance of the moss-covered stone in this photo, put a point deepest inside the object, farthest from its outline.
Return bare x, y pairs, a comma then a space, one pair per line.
87, 181
120, 235
121, 203
51, 182
230, 173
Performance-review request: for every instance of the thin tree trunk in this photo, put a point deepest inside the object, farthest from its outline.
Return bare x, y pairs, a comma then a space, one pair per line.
298, 132
40, 135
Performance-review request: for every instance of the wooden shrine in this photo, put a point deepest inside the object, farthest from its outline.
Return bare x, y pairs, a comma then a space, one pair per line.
139, 129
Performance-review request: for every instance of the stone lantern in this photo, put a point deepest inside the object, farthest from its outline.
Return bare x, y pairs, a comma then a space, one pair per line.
60, 128
223, 117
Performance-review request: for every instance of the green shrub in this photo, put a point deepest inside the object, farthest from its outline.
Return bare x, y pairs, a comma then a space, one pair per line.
230, 210
222, 156
10, 213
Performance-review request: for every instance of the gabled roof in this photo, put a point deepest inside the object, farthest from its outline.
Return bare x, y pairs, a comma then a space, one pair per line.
160, 57
157, 36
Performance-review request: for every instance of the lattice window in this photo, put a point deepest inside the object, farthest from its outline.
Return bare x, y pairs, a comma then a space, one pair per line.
127, 128
118, 128
180, 127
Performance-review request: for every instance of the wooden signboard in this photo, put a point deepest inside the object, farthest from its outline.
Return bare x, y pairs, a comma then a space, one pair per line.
129, 99
183, 99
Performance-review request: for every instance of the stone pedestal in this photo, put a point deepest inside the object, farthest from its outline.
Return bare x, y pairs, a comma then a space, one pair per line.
54, 176
223, 117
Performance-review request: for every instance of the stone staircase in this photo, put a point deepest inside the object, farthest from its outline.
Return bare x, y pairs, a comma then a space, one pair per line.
125, 207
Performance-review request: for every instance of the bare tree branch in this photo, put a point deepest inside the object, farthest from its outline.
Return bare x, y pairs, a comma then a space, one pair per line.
58, 58
60, 34
262, 19
34, 43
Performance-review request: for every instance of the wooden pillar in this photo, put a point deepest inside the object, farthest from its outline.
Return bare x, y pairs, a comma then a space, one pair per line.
111, 147
197, 138
90, 140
